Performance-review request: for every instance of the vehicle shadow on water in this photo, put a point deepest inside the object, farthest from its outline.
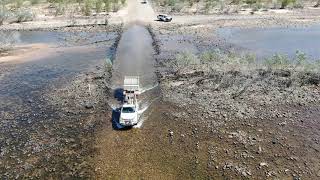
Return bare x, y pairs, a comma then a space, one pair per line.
118, 94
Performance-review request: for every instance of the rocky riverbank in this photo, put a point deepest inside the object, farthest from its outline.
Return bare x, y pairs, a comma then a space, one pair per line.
240, 118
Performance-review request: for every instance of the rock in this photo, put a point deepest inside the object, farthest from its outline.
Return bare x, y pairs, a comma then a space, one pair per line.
282, 123
30, 101
88, 105
170, 133
259, 150
263, 164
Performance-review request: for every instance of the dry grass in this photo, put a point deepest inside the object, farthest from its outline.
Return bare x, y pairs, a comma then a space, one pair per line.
236, 86
226, 6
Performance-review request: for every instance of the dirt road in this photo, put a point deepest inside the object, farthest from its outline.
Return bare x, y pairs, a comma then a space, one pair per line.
125, 154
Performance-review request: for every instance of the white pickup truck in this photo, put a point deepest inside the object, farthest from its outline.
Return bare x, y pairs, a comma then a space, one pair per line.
129, 111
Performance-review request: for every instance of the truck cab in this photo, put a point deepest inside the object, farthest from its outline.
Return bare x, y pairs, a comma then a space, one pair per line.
129, 115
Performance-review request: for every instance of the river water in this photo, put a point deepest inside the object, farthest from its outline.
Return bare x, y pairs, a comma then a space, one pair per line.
265, 42
46, 131
134, 57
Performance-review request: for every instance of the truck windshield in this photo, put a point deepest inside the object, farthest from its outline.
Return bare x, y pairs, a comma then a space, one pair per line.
128, 110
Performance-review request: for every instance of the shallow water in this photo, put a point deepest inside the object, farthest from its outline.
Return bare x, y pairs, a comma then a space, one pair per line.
134, 57
55, 37
265, 42
34, 118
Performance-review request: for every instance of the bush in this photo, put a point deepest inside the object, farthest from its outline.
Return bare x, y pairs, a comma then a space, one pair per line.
107, 5
33, 2
18, 3
98, 5
4, 14
115, 5
24, 15
177, 7
211, 57
285, 3
87, 8
60, 9
277, 60
210, 4
298, 5
171, 2
182, 61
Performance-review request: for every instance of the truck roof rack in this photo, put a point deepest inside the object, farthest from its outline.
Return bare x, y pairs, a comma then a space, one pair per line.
131, 83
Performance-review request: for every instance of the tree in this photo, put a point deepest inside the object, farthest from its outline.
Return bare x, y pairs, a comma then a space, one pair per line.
107, 5
285, 3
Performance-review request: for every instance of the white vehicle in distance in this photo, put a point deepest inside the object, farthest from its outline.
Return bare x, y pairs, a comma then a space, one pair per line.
164, 18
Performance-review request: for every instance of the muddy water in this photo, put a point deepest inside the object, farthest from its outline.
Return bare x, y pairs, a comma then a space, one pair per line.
46, 130
268, 41
134, 57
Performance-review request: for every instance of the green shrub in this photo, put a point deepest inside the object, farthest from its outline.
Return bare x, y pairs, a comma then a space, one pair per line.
249, 59
24, 15
86, 9
251, 2
98, 5
79, 2
171, 2
298, 5
184, 60
177, 7
60, 8
33, 2
18, 3
300, 58
211, 57
4, 14
274, 4
277, 60
285, 3
210, 4
115, 5
107, 5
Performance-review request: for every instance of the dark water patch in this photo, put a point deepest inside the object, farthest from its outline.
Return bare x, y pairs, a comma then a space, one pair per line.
265, 42
26, 77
